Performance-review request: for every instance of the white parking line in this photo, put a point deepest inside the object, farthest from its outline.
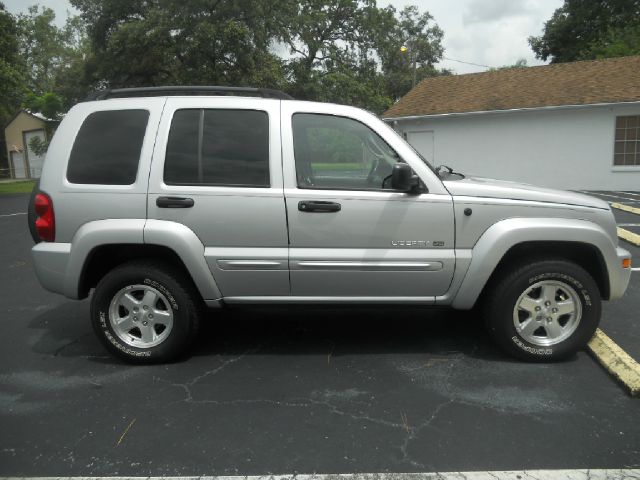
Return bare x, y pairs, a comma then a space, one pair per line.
636, 194
598, 194
596, 474
13, 214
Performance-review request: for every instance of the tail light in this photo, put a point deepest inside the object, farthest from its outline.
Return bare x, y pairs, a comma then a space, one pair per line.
46, 220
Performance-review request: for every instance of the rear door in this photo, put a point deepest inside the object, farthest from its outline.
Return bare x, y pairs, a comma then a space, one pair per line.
217, 169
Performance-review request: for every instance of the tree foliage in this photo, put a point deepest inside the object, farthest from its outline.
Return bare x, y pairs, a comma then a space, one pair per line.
345, 51
422, 40
164, 42
55, 61
12, 68
329, 50
588, 29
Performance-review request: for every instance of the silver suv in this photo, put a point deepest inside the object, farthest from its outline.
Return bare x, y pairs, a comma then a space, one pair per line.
169, 200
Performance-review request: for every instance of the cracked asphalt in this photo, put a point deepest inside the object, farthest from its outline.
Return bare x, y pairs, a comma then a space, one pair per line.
271, 391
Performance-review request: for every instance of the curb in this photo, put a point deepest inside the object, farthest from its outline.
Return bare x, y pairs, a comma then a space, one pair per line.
582, 473
616, 361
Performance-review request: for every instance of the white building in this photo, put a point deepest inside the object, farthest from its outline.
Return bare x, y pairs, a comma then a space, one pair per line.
572, 126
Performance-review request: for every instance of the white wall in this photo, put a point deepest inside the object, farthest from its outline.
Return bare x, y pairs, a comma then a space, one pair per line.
565, 148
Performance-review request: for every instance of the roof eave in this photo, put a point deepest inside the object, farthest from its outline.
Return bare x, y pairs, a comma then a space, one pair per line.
511, 110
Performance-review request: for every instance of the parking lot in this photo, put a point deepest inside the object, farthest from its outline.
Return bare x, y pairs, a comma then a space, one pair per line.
300, 391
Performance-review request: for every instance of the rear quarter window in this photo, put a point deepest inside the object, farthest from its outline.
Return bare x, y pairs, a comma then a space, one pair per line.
107, 149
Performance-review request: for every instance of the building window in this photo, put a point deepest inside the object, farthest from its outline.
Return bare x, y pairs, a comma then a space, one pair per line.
627, 143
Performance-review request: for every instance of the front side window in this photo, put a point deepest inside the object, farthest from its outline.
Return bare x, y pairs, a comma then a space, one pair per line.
107, 149
627, 143
340, 153
218, 147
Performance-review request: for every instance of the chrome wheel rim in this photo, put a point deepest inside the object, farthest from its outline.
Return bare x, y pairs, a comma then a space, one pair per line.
141, 316
547, 313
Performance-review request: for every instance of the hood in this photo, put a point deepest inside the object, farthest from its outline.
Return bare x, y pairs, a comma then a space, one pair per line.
490, 188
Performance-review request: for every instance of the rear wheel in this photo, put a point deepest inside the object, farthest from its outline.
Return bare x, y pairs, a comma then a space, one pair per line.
543, 311
145, 312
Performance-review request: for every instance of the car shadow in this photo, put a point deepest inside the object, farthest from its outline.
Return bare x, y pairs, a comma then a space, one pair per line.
292, 330
346, 330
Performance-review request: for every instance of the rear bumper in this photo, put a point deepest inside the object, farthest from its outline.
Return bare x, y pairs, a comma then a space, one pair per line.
618, 276
51, 261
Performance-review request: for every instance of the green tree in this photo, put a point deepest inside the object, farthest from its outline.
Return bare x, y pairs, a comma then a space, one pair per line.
338, 50
168, 42
12, 69
322, 36
54, 58
12, 78
616, 43
349, 51
409, 45
520, 63
587, 29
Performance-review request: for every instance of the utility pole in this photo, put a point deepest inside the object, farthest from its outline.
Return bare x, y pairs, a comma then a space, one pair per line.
412, 61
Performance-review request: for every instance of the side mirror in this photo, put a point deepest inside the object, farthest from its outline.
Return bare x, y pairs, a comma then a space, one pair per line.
403, 178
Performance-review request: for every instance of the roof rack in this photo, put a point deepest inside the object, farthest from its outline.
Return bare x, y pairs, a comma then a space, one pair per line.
187, 90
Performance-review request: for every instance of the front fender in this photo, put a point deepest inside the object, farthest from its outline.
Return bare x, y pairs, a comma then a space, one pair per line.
502, 236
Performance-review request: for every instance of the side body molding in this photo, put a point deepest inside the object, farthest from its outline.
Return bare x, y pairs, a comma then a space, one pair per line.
501, 236
189, 248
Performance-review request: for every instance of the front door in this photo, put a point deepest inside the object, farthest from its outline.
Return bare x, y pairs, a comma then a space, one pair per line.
221, 158
351, 235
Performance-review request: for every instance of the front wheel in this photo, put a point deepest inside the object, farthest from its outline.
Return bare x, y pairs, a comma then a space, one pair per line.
543, 311
145, 312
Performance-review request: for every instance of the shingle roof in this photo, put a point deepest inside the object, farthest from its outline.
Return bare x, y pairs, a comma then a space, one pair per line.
611, 80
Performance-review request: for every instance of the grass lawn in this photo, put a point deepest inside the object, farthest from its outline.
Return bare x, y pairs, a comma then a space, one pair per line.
21, 186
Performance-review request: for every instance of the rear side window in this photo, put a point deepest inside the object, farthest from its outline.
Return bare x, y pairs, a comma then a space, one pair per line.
107, 148
218, 147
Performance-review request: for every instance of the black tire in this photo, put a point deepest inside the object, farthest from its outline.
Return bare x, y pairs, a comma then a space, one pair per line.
503, 295
182, 302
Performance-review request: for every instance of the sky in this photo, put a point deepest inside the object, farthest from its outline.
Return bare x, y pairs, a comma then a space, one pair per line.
489, 33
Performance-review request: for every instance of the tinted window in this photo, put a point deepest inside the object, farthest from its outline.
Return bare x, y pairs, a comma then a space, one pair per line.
340, 153
107, 148
218, 147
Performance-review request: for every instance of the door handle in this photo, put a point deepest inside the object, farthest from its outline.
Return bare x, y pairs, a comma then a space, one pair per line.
318, 206
174, 202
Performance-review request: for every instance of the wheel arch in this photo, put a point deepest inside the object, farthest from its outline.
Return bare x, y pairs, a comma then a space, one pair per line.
514, 240
583, 254
105, 258
97, 253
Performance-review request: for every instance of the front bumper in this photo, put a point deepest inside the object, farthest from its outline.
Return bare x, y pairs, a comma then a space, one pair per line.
618, 276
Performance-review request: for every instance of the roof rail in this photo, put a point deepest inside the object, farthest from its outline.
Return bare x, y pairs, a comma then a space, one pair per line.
186, 90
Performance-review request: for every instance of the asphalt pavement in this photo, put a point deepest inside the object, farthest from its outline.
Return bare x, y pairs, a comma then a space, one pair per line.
271, 391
